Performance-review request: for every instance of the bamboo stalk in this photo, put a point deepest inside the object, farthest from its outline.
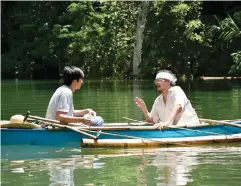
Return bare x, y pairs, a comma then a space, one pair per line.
116, 127
139, 122
234, 120
84, 131
221, 122
194, 130
231, 120
178, 127
174, 141
139, 127
127, 136
26, 117
56, 123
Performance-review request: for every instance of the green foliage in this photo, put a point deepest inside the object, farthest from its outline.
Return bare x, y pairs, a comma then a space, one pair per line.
191, 28
32, 45
39, 38
236, 67
171, 38
101, 41
229, 38
229, 30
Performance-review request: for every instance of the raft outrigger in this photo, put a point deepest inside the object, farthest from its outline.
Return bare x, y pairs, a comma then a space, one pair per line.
118, 134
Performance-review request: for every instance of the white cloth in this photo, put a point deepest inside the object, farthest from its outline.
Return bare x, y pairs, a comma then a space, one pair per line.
61, 100
161, 111
166, 75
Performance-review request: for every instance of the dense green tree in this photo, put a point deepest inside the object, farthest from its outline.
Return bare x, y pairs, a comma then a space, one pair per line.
172, 37
39, 38
31, 43
228, 37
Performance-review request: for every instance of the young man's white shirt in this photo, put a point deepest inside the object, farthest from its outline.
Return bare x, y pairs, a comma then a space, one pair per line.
62, 100
161, 111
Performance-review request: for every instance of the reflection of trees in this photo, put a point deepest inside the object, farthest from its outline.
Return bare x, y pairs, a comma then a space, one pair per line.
163, 166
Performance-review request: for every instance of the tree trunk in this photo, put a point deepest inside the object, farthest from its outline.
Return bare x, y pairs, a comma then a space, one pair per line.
141, 22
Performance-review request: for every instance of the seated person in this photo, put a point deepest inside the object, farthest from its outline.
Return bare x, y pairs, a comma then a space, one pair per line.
171, 107
61, 106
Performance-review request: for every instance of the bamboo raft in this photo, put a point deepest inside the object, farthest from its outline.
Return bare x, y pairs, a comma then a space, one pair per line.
118, 134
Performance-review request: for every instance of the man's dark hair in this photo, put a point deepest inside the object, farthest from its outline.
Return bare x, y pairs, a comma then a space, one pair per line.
72, 73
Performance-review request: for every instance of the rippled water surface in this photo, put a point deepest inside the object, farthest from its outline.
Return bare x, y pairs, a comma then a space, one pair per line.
216, 165
205, 165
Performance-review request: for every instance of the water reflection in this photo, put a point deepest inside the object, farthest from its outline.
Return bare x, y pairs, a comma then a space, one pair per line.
137, 92
174, 168
61, 173
164, 166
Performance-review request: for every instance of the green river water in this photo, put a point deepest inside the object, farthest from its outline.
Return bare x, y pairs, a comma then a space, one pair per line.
208, 165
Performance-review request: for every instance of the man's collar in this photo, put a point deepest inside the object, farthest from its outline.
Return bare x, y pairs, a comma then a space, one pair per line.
170, 89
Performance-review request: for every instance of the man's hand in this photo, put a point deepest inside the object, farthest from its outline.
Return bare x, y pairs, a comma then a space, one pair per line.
87, 120
91, 112
161, 125
140, 103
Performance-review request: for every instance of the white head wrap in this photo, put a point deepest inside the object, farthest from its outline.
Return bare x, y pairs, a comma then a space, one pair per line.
167, 75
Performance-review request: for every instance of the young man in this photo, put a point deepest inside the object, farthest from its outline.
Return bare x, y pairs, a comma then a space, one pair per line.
61, 103
170, 108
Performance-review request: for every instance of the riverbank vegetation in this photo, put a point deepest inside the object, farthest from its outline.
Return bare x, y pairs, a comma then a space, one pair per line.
190, 38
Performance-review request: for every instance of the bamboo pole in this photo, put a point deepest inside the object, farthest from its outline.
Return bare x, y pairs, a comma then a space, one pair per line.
139, 122
226, 122
146, 143
56, 123
144, 140
178, 127
195, 130
139, 127
221, 122
84, 131
234, 120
